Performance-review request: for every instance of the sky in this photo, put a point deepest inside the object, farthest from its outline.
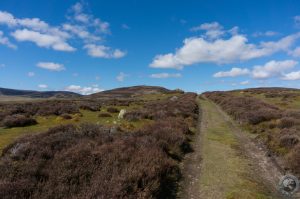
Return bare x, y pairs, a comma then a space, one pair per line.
88, 46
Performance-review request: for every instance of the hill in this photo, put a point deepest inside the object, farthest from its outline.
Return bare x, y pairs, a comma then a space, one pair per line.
126, 92
36, 94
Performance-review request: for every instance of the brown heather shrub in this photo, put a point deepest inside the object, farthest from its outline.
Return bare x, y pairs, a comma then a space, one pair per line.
293, 159
89, 162
287, 122
90, 106
113, 110
18, 121
289, 141
245, 109
104, 115
185, 106
66, 116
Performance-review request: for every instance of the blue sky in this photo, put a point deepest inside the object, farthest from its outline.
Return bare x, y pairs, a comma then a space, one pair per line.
88, 46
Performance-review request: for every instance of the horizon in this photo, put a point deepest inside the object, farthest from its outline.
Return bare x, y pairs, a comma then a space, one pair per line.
89, 46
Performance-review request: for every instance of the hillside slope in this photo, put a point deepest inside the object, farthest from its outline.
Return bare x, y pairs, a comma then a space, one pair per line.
37, 94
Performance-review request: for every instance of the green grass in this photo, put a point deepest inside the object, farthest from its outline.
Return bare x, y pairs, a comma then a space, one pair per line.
8, 135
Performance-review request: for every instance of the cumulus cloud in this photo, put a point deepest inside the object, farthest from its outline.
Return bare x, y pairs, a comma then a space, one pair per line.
213, 30
42, 40
80, 25
235, 48
103, 51
51, 66
291, 76
84, 90
43, 86
234, 72
165, 75
272, 68
31, 74
121, 77
5, 41
7, 18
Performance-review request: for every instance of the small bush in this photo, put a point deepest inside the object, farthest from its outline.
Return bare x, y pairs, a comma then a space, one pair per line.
287, 122
66, 116
113, 110
90, 106
18, 121
293, 159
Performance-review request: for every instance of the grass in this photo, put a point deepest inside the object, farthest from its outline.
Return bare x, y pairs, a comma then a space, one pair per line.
8, 135
225, 171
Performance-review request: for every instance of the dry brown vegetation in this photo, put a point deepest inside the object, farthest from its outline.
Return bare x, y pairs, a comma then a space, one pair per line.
277, 128
17, 120
94, 161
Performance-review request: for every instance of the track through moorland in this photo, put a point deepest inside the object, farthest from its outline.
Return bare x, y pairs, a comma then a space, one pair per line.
226, 162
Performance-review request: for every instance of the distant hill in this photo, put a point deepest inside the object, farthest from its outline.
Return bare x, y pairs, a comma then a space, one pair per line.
37, 94
132, 91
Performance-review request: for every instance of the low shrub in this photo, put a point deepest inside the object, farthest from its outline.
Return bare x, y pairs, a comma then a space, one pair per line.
88, 162
287, 122
90, 106
66, 116
112, 110
293, 159
18, 121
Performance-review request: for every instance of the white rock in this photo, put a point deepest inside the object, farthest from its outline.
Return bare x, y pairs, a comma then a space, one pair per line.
121, 114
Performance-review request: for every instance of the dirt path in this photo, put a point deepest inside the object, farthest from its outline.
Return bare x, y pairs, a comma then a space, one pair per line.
226, 163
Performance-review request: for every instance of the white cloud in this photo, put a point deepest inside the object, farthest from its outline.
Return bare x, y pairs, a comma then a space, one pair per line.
220, 50
295, 52
234, 72
51, 66
83, 90
81, 32
121, 77
5, 41
31, 74
213, 30
43, 86
43, 40
165, 75
245, 82
79, 15
103, 51
272, 68
291, 76
7, 18
80, 24
265, 34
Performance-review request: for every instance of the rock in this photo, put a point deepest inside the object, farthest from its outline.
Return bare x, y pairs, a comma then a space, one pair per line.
121, 114
174, 98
